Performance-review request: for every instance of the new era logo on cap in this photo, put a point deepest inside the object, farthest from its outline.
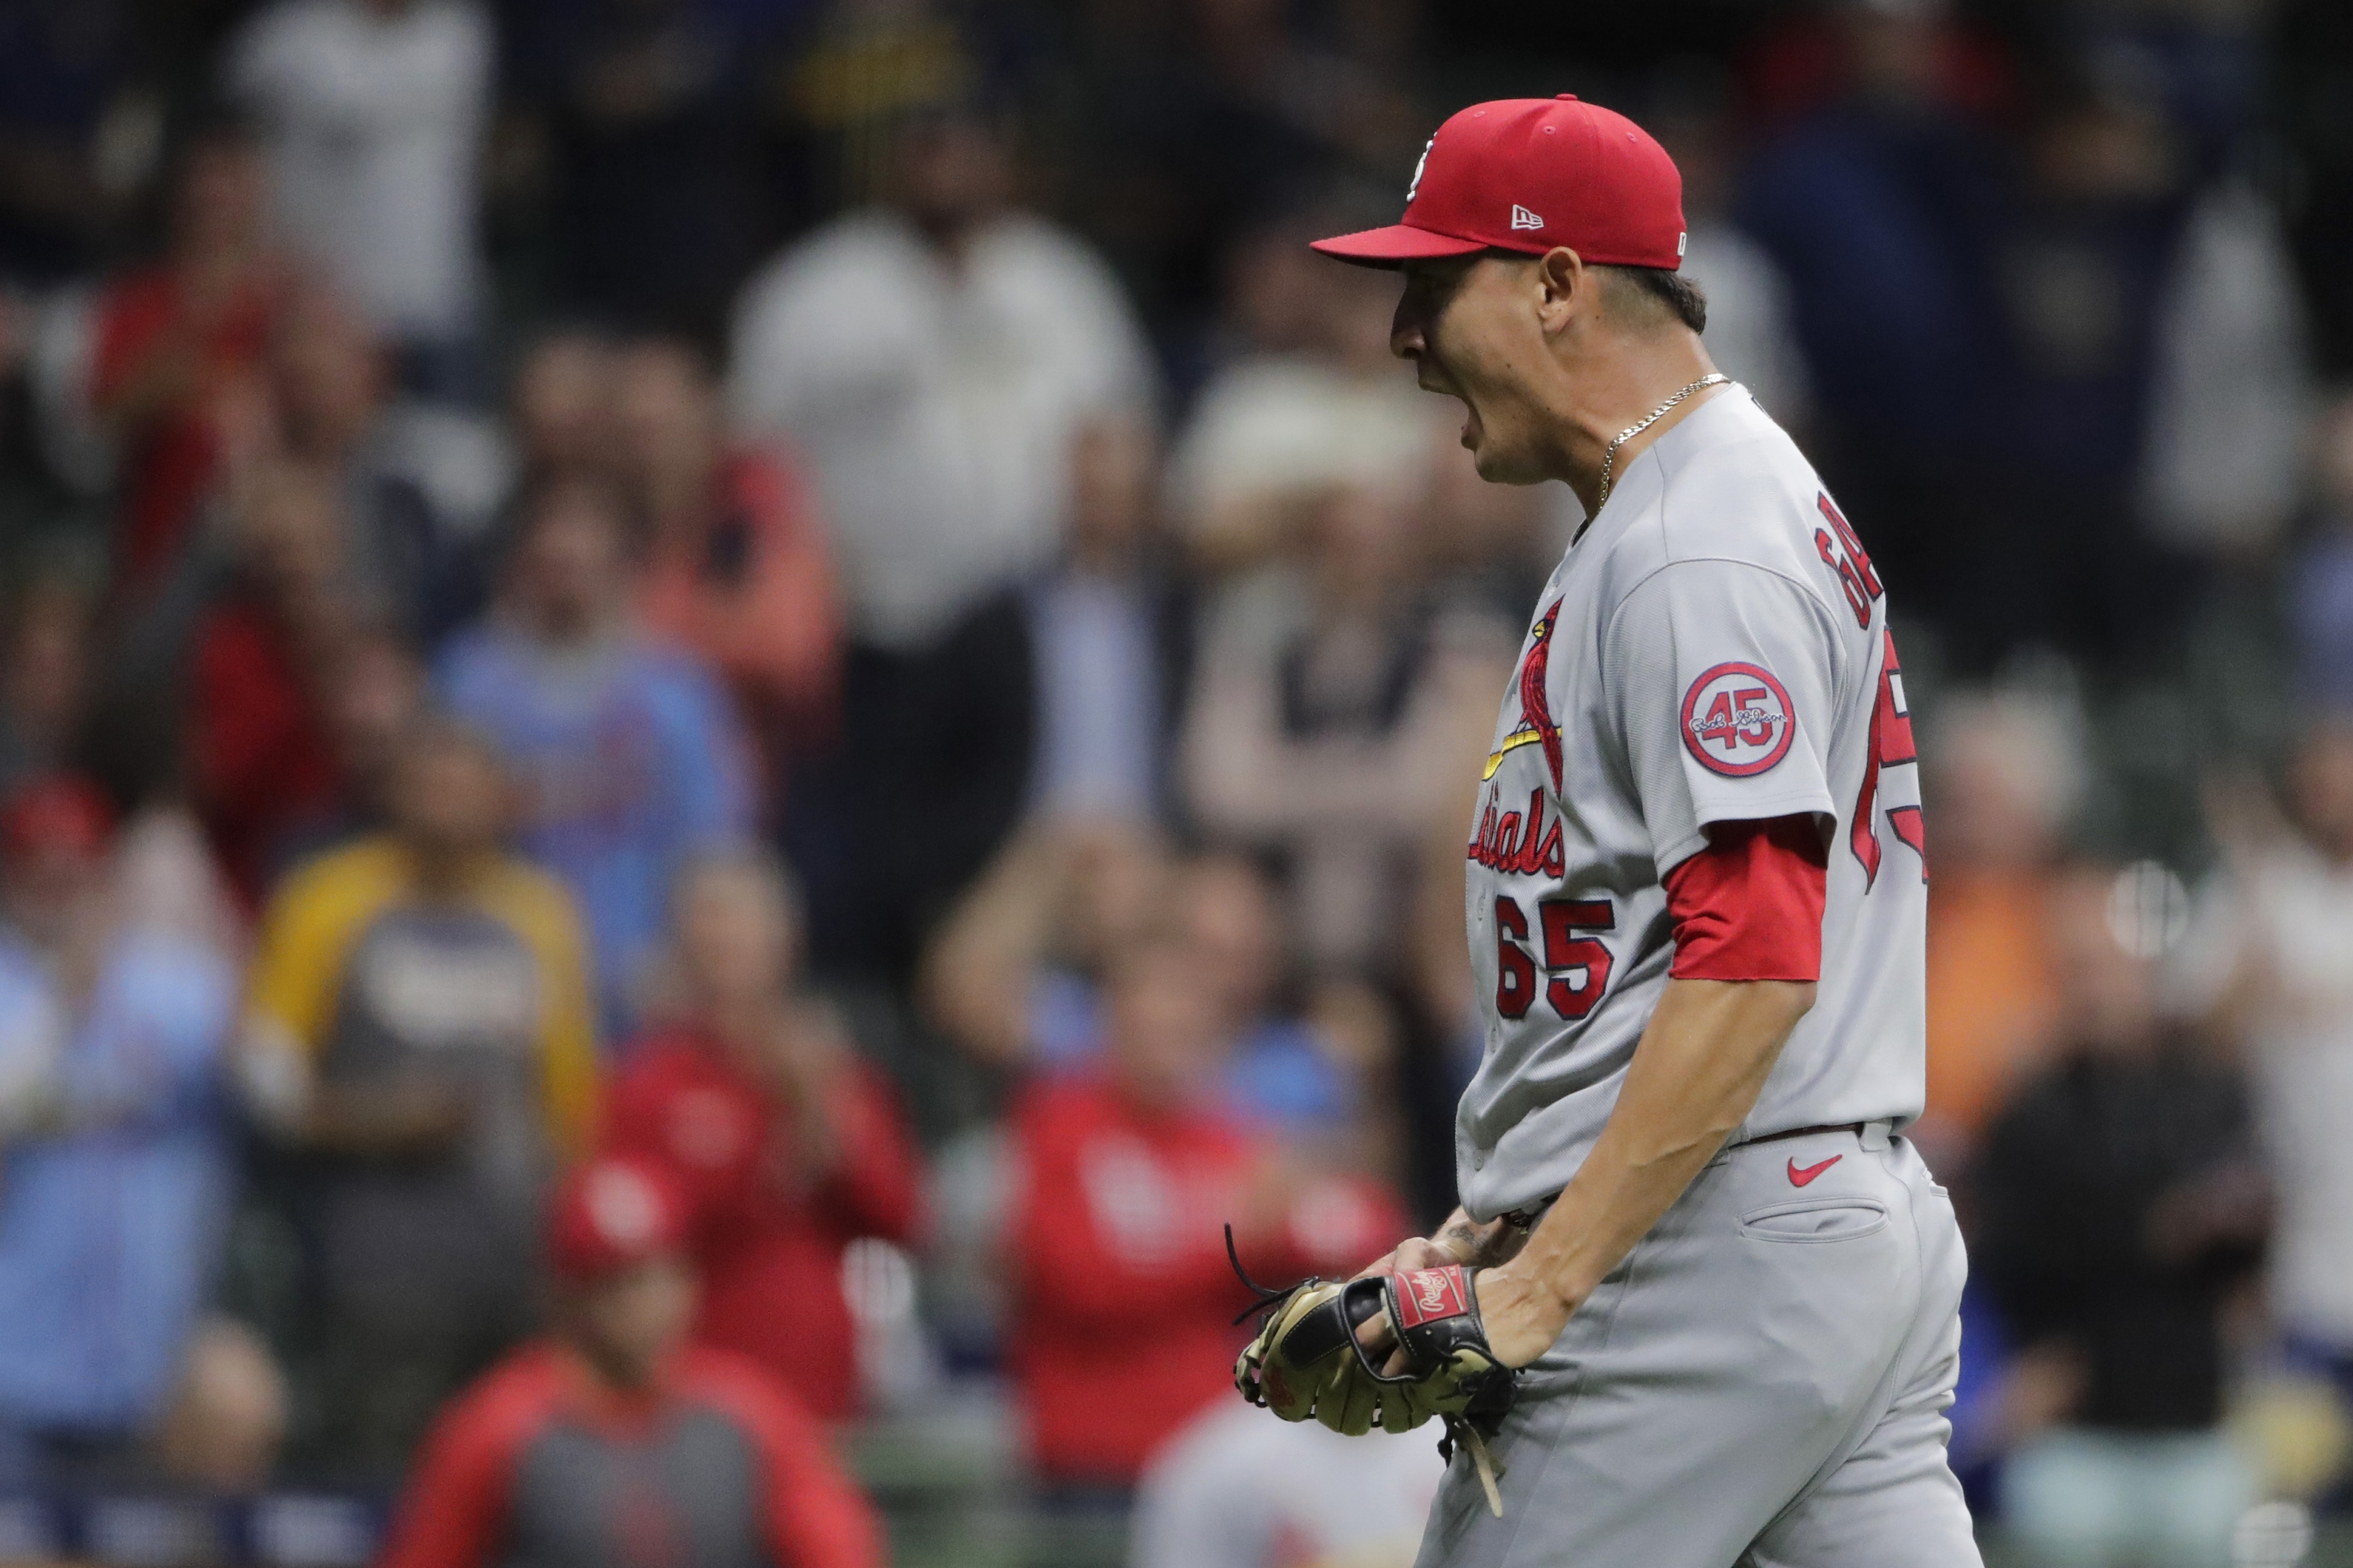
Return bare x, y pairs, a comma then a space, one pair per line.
1523, 219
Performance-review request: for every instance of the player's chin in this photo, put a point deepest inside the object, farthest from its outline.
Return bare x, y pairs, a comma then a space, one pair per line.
1497, 462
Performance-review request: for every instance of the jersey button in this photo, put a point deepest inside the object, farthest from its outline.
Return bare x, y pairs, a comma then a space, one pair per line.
1478, 1159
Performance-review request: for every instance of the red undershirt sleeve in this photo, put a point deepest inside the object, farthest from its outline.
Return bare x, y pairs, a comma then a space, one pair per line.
454, 1513
1749, 905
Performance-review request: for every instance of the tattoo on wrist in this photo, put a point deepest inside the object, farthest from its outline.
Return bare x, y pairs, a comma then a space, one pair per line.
1466, 1238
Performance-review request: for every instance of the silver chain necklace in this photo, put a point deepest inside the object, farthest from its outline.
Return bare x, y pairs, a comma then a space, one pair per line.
1609, 456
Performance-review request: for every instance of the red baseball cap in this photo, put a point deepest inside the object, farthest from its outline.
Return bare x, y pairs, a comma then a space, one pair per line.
1527, 174
610, 1214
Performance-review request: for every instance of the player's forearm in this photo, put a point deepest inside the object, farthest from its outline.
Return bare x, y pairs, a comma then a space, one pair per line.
1693, 1079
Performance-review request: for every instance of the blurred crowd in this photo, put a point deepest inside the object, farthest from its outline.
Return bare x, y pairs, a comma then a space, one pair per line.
719, 717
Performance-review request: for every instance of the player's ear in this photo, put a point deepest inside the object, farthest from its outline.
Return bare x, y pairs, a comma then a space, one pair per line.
1564, 285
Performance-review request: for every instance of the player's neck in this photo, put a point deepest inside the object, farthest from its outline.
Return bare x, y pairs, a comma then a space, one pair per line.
1616, 386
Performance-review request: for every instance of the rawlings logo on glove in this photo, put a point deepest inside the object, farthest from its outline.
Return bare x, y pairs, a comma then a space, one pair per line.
1308, 1360
1430, 1293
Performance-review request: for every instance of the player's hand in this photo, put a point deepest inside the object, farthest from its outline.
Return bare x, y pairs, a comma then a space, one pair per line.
1414, 1252
1522, 1316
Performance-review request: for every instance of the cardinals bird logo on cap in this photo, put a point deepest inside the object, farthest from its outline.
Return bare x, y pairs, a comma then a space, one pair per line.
1420, 164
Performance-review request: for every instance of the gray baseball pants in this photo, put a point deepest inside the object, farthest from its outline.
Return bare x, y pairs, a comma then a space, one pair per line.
1761, 1383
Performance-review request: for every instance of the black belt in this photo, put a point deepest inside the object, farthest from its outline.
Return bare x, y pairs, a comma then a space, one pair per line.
1525, 1218
1854, 1126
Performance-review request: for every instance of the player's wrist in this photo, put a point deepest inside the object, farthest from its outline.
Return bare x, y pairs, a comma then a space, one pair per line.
1466, 1241
1522, 1312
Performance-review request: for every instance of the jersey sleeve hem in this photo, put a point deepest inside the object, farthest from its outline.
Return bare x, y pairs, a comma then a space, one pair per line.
1803, 803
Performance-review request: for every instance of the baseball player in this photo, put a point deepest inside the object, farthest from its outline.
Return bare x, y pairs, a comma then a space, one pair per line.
1699, 1306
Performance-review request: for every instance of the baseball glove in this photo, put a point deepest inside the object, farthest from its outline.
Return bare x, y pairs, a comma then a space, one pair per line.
1307, 1360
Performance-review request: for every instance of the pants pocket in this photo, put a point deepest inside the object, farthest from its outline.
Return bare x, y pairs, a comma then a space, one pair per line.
1824, 1218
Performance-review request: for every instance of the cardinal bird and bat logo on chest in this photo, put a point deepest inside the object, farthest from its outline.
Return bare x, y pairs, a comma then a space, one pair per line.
1536, 727
1510, 840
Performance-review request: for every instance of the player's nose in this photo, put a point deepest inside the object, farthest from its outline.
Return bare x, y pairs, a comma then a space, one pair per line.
1407, 336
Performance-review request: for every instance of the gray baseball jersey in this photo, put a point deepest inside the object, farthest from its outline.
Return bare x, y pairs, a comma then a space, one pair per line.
1763, 1380
1714, 648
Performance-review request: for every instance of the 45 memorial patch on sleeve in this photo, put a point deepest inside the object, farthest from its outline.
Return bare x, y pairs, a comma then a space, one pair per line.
1736, 720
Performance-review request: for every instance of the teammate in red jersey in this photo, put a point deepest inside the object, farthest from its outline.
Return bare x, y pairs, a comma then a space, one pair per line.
784, 1146
611, 1442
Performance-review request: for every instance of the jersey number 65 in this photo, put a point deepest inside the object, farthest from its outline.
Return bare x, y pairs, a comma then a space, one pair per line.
1575, 967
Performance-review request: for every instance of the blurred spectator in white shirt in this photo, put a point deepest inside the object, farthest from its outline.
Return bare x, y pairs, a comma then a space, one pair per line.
2220, 466
932, 361
373, 113
1313, 400
1233, 1489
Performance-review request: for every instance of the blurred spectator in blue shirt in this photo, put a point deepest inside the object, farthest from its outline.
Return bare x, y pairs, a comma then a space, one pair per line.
629, 757
1883, 207
1750, 334
1100, 626
2320, 598
116, 1181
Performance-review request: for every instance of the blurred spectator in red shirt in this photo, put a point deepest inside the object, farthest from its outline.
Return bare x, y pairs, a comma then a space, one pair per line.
736, 564
1127, 1171
179, 349
263, 656
785, 1147
614, 1442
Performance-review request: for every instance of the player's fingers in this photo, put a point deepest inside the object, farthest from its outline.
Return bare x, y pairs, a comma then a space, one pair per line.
1375, 1335
1414, 1252
1420, 1252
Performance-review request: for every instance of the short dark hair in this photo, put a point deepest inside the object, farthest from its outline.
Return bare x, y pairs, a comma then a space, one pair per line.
1672, 293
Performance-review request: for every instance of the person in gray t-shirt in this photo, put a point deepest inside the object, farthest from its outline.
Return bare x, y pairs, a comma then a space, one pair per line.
419, 1034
